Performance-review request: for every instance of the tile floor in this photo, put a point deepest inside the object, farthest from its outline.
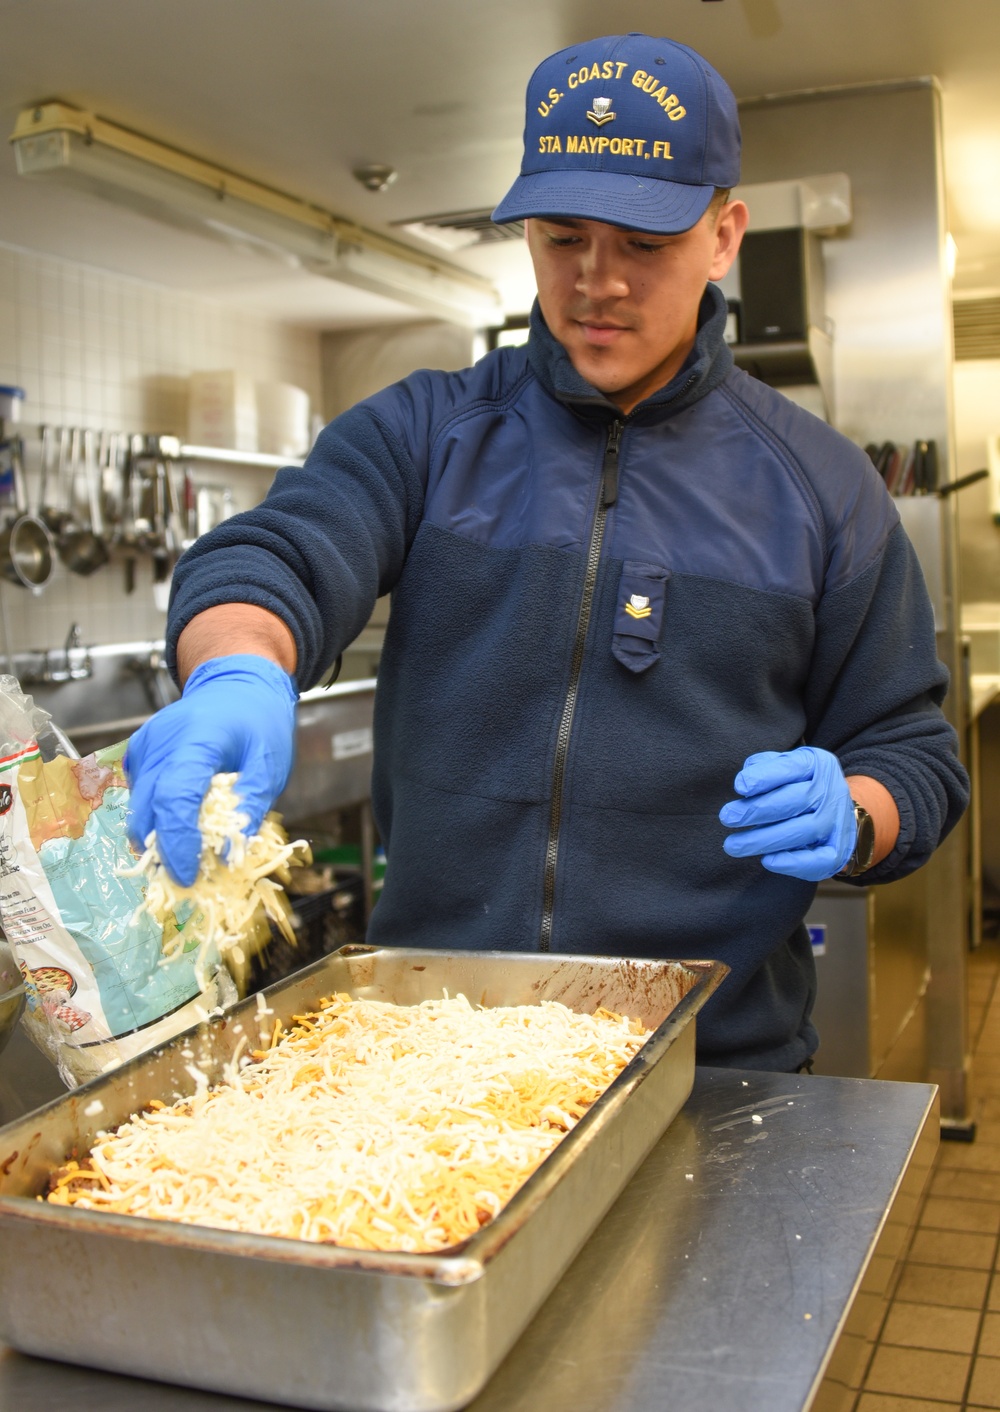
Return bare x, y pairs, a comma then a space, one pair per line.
939, 1348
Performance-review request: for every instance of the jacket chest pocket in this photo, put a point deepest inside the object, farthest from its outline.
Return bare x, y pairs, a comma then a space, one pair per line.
639, 614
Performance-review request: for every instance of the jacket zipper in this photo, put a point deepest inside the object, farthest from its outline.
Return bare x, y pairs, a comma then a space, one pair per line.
608, 496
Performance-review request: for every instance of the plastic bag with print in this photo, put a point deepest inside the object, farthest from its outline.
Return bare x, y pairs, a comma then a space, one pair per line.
98, 987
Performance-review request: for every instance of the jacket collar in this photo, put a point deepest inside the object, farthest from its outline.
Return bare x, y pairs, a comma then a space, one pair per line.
704, 368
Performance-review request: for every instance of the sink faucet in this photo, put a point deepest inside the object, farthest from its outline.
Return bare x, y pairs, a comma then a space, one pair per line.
71, 662
151, 668
76, 663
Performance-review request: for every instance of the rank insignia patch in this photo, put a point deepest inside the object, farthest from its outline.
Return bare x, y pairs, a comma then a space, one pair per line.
638, 606
601, 112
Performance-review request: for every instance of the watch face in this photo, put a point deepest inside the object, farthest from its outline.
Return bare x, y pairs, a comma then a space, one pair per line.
864, 848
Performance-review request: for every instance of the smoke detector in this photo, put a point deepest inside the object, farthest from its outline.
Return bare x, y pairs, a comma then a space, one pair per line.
375, 176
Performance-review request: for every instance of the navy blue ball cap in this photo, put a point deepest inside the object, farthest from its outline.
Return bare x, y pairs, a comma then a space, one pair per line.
627, 129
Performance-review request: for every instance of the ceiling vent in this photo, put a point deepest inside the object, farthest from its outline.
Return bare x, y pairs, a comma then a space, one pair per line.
977, 327
461, 229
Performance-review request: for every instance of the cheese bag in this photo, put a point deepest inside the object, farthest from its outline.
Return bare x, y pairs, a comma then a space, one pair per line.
99, 988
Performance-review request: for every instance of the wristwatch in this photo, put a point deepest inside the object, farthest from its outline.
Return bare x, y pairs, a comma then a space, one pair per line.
864, 844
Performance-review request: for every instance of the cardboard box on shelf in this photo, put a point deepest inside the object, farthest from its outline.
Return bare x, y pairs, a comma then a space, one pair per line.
282, 419
223, 411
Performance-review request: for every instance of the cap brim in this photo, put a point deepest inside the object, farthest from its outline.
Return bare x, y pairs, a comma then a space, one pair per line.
659, 207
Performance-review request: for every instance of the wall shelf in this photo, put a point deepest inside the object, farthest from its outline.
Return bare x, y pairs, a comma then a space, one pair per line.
223, 457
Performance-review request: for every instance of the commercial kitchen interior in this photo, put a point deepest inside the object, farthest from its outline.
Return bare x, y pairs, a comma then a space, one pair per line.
890, 109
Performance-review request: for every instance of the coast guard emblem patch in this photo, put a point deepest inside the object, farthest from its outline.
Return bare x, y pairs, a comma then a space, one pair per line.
601, 113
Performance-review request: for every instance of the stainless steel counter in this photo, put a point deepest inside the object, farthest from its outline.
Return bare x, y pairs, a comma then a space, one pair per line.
727, 1278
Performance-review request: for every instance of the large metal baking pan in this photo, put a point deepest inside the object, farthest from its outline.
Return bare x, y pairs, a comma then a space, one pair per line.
319, 1326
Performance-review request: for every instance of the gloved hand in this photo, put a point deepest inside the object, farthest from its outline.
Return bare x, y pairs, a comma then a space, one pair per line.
236, 714
796, 811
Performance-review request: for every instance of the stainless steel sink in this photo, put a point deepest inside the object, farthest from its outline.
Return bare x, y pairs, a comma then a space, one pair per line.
129, 681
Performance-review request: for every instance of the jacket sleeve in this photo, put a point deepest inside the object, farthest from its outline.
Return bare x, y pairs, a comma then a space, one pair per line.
874, 698
325, 543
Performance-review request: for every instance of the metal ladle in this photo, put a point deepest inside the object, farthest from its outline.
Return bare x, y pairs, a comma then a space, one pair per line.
26, 556
84, 549
59, 516
52, 509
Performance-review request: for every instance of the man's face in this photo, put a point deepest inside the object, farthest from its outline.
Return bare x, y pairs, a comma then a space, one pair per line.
624, 304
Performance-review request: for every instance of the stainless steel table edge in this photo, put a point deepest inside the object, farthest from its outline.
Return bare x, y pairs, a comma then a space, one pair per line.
729, 1273
622, 1332
877, 1272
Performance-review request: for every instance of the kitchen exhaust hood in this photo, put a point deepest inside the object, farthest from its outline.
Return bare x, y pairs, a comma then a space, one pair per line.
60, 142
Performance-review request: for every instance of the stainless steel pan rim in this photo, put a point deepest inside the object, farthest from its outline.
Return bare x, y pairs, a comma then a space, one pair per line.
458, 1265
349, 1331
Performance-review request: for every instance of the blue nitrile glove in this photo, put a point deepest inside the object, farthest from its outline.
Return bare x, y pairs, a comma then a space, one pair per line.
236, 714
796, 811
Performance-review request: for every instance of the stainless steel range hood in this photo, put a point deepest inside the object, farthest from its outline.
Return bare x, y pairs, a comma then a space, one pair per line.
783, 336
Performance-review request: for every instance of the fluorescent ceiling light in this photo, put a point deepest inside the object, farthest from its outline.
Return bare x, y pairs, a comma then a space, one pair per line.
55, 140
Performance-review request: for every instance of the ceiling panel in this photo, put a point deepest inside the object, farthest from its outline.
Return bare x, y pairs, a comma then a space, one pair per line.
296, 93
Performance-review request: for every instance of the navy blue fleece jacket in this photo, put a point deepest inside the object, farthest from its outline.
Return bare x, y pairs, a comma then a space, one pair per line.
549, 766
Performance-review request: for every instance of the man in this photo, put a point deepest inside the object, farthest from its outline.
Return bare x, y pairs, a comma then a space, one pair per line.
623, 574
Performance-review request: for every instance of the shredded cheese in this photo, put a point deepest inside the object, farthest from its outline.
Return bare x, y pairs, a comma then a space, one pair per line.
239, 882
370, 1125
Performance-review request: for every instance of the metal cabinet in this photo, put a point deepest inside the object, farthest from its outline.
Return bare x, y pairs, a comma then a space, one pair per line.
872, 975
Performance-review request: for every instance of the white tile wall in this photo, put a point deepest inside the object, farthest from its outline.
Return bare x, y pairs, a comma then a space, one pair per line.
94, 349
